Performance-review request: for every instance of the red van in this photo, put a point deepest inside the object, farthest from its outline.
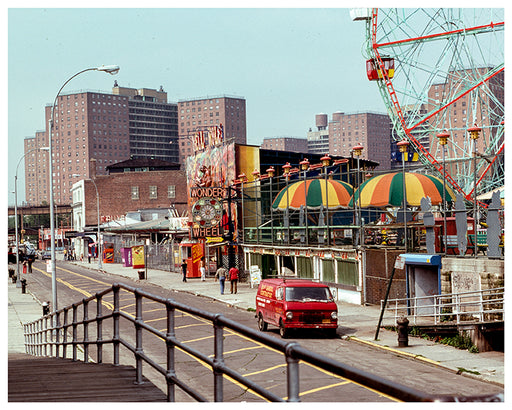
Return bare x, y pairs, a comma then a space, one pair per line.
295, 304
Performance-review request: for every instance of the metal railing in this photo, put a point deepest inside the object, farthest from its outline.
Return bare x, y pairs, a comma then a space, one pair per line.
48, 336
479, 306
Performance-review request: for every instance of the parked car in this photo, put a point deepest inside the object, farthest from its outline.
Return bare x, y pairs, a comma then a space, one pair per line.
46, 255
295, 304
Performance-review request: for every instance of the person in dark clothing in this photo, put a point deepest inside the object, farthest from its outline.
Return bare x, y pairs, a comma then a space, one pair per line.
184, 270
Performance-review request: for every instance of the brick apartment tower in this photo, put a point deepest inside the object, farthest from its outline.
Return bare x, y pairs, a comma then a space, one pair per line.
106, 128
371, 130
198, 114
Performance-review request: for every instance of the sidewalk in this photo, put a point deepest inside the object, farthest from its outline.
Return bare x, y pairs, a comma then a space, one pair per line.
355, 322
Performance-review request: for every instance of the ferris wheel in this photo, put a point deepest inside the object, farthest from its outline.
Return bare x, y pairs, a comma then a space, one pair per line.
442, 71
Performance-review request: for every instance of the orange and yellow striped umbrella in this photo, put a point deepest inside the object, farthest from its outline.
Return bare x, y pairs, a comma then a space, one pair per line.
332, 193
387, 190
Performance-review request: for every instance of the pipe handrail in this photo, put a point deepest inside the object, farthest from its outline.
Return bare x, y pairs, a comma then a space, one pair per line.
40, 337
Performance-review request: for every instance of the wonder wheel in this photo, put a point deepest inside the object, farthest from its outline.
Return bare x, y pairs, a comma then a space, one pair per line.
442, 70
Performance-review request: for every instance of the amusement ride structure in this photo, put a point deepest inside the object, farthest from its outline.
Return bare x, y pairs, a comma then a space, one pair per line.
440, 73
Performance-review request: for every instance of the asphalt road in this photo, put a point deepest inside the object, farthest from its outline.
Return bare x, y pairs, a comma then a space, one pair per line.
260, 363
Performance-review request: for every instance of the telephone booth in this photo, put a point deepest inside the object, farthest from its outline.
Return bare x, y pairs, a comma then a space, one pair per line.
375, 73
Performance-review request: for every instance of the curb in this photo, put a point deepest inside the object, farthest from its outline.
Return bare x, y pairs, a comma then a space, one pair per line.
424, 360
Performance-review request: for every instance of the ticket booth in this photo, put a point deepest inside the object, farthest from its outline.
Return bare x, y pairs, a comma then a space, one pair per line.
423, 280
192, 253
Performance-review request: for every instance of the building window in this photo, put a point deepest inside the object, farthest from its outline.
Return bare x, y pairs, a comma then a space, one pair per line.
152, 192
135, 192
171, 191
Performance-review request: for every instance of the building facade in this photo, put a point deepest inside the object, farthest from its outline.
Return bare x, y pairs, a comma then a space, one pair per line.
199, 114
153, 123
286, 144
346, 130
108, 128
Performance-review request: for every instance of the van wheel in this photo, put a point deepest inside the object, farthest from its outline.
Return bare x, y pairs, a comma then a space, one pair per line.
283, 331
262, 325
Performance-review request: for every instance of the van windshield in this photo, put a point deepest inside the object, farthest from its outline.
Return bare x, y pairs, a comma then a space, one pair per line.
302, 294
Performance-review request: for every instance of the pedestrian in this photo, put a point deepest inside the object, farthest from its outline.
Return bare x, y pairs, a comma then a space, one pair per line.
221, 276
233, 277
30, 260
202, 269
184, 270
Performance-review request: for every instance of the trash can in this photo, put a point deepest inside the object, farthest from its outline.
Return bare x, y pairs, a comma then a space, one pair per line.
141, 274
46, 308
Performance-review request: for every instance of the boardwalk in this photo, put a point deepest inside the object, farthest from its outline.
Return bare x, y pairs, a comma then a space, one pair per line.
50, 380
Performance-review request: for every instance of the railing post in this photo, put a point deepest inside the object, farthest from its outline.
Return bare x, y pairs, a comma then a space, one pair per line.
65, 333
138, 337
26, 338
99, 329
115, 316
171, 365
85, 304
218, 360
56, 331
75, 331
46, 336
292, 374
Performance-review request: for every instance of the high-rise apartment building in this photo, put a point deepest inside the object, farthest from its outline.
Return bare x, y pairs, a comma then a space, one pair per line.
95, 129
199, 114
286, 144
153, 123
344, 131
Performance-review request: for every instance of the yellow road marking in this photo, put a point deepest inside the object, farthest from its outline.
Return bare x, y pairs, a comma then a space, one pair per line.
268, 369
229, 333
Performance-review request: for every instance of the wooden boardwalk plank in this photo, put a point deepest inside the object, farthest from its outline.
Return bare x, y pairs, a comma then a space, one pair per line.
49, 379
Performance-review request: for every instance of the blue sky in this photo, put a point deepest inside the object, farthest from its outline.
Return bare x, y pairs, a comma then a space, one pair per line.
289, 64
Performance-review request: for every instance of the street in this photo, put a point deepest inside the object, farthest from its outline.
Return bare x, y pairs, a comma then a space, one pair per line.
255, 361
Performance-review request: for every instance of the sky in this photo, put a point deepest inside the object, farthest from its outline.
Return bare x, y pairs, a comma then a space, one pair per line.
288, 64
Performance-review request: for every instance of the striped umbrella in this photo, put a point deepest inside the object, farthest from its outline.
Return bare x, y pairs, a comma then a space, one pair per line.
332, 193
387, 190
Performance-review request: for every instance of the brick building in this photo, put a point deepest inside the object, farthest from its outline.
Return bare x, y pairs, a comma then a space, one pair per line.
107, 127
201, 113
371, 130
135, 185
286, 144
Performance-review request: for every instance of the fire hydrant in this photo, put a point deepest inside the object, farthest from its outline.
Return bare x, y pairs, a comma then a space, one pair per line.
402, 327
23, 286
46, 308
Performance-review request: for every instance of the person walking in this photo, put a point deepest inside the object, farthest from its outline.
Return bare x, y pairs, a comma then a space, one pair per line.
221, 276
233, 277
202, 269
184, 270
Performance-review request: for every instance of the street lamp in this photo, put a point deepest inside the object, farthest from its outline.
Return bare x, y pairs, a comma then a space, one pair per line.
358, 150
474, 133
304, 165
98, 244
18, 280
326, 160
402, 146
443, 140
111, 69
270, 173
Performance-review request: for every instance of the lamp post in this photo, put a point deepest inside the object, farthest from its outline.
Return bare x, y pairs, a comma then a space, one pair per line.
286, 172
443, 140
18, 280
326, 160
256, 177
357, 151
304, 165
402, 146
270, 173
111, 69
474, 133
